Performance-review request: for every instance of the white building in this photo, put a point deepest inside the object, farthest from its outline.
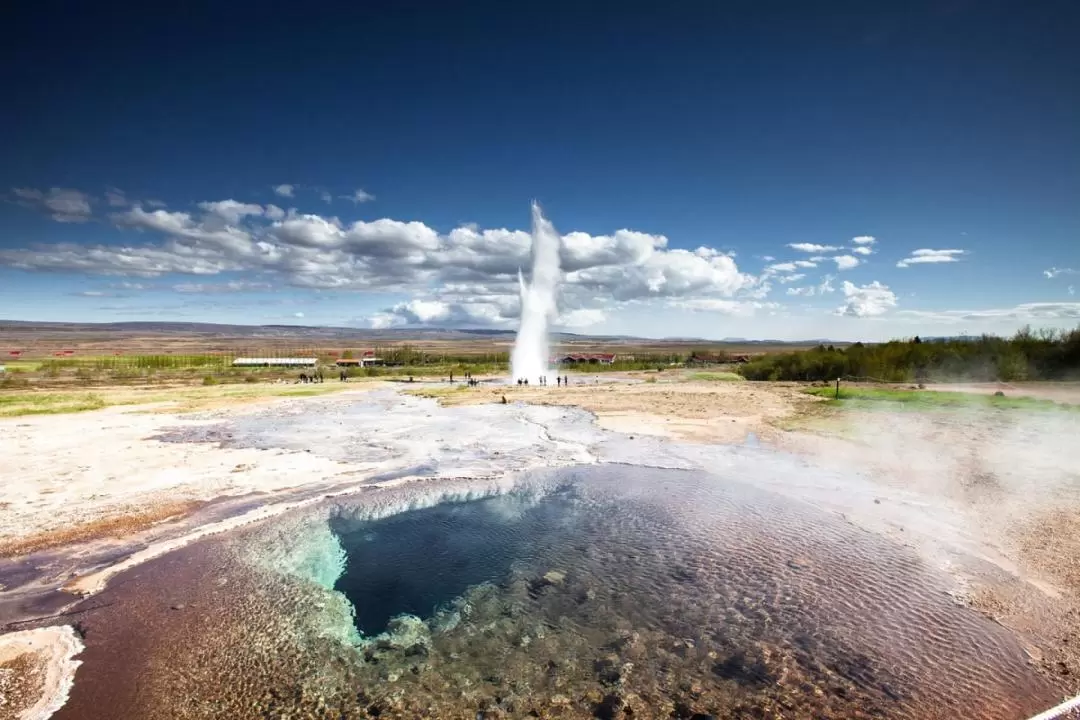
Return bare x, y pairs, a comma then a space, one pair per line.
275, 362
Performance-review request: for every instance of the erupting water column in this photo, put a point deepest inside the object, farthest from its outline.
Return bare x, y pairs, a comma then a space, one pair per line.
530, 357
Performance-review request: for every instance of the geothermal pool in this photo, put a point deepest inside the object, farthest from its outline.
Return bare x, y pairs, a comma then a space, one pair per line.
601, 590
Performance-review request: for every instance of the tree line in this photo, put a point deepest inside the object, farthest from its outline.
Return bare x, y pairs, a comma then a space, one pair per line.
1028, 355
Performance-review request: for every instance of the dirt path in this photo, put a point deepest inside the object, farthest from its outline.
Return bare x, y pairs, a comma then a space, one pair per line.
694, 411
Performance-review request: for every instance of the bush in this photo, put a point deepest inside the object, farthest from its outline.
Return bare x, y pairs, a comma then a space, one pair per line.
250, 379
1045, 355
209, 380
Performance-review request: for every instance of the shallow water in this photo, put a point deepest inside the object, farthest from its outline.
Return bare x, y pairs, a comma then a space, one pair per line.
595, 591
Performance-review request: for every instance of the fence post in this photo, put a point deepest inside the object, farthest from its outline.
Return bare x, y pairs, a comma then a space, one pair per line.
837, 388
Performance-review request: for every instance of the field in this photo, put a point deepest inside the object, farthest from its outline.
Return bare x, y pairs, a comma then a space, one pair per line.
64, 357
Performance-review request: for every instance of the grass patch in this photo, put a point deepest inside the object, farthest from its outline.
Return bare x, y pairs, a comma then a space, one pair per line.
868, 398
183, 399
717, 377
18, 404
436, 392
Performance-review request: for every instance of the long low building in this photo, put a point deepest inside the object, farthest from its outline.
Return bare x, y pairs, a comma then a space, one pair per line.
274, 362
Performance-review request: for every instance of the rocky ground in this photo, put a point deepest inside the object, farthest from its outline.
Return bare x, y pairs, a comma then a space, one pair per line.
1012, 476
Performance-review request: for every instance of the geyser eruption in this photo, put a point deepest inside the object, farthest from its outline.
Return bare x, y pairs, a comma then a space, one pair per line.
530, 357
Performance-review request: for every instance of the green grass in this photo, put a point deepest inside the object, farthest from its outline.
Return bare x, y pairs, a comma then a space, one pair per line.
868, 398
18, 404
717, 377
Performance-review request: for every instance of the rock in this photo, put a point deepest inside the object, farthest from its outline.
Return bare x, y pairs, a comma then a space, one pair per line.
555, 577
178, 606
999, 394
609, 707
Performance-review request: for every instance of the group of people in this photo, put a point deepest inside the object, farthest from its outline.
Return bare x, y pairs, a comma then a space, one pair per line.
473, 382
563, 380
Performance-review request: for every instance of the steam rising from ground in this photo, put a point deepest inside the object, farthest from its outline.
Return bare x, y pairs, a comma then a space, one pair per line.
530, 357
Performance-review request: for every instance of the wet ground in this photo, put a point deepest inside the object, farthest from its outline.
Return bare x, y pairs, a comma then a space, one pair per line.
525, 564
601, 591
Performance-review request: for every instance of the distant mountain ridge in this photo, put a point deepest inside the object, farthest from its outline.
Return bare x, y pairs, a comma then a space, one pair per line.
350, 333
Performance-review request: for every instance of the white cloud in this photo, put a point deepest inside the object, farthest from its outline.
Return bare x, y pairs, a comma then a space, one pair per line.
231, 211
866, 300
467, 276
864, 240
724, 307
846, 262
812, 248
214, 288
63, 204
767, 258
115, 197
581, 318
1055, 271
783, 267
791, 278
862, 250
298, 314
928, 256
326, 197
359, 196
1023, 312
1072, 290
806, 263
285, 190
824, 288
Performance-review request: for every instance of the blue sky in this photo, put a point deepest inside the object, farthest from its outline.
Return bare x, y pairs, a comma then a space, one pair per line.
690, 155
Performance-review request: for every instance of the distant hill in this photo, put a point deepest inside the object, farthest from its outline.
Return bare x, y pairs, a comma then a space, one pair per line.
21, 329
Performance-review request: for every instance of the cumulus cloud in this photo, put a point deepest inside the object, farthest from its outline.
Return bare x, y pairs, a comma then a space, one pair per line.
63, 204
812, 248
862, 250
285, 190
359, 196
866, 300
806, 263
784, 280
231, 211
846, 262
1055, 271
783, 267
467, 276
864, 240
928, 256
